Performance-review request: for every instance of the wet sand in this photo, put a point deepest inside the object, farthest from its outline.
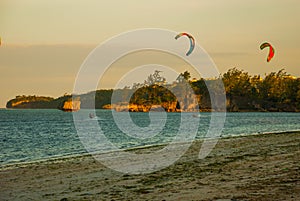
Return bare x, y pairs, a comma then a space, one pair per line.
256, 167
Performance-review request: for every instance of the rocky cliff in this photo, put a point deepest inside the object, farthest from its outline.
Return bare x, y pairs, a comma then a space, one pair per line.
165, 106
128, 107
71, 105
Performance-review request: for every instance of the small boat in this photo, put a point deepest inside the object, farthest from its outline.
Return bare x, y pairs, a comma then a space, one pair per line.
92, 115
196, 115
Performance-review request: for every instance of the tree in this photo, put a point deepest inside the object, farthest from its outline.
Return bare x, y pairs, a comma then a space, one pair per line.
237, 82
155, 79
185, 76
275, 86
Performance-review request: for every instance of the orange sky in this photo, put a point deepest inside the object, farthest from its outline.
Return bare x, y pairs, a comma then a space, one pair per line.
45, 42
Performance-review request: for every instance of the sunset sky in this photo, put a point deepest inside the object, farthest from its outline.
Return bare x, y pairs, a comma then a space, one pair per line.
44, 42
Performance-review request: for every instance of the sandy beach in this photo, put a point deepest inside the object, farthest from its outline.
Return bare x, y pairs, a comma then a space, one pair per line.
256, 167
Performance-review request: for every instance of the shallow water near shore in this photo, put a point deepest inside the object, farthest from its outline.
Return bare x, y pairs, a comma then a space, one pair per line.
33, 135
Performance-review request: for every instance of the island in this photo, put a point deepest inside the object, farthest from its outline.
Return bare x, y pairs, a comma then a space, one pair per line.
276, 92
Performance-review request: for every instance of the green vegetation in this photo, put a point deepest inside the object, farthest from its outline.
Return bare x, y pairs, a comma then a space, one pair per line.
36, 102
21, 101
277, 91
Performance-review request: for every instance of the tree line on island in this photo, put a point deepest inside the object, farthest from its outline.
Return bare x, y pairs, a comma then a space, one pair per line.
277, 91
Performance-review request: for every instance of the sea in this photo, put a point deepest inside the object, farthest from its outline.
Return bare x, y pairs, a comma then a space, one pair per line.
29, 135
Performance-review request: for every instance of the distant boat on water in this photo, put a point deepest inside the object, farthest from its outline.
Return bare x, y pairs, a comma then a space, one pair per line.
92, 115
196, 115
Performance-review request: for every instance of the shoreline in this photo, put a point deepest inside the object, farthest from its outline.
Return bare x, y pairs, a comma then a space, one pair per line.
251, 167
57, 159
200, 111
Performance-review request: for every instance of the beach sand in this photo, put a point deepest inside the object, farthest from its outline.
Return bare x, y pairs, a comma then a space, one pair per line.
255, 167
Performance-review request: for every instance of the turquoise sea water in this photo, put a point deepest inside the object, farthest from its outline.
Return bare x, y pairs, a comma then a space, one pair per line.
31, 135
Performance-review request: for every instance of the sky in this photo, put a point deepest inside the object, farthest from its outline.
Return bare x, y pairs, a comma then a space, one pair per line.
44, 43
